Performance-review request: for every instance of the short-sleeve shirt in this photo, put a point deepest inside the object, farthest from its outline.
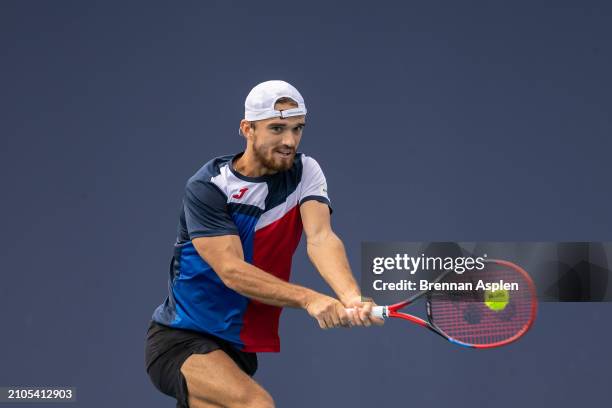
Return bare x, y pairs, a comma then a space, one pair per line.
264, 212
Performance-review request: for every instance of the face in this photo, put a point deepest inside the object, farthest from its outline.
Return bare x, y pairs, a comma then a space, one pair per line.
274, 141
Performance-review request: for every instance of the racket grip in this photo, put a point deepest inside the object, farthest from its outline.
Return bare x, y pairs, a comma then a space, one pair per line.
377, 311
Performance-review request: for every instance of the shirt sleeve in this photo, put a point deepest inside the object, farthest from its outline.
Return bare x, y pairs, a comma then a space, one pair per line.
206, 213
314, 185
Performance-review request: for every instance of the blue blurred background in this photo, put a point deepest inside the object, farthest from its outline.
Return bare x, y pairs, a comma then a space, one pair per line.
475, 121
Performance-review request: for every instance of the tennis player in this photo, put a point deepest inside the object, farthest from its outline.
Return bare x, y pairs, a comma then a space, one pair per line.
241, 221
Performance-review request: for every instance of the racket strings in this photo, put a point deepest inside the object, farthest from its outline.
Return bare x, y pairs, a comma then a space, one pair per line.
467, 317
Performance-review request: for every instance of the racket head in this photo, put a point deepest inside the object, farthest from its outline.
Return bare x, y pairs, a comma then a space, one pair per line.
476, 319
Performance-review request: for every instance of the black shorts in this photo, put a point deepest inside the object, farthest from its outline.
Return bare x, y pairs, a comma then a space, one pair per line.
167, 349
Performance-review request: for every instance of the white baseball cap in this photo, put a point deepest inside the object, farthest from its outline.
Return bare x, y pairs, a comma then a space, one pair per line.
259, 103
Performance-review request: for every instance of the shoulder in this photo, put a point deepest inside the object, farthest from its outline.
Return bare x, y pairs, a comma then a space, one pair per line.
310, 168
213, 174
211, 169
308, 163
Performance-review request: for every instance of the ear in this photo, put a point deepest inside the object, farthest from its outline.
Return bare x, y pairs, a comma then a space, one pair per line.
245, 129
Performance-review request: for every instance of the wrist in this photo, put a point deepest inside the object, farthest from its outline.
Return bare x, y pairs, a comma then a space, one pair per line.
351, 298
306, 298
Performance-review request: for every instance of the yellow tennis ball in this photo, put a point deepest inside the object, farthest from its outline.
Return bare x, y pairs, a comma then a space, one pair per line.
497, 299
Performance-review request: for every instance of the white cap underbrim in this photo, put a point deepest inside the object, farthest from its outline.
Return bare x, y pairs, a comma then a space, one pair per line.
259, 103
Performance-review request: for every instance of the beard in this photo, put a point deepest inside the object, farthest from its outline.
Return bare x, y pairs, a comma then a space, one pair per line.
271, 161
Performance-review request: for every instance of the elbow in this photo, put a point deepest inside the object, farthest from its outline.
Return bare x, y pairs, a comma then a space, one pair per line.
229, 273
323, 239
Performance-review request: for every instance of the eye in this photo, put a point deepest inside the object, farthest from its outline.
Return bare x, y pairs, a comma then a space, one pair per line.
277, 129
299, 128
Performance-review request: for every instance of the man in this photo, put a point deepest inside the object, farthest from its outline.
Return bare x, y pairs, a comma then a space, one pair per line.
241, 222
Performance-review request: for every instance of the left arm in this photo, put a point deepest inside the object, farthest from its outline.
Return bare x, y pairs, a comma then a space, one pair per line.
326, 252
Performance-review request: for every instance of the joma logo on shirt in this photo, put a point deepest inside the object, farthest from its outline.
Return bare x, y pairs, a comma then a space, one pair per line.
240, 193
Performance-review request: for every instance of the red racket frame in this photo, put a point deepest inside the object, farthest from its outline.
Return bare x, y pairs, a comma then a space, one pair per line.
392, 311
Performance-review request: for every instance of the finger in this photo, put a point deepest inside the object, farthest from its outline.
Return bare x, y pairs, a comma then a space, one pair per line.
367, 314
350, 317
377, 321
354, 318
335, 319
364, 317
358, 316
329, 323
322, 323
343, 315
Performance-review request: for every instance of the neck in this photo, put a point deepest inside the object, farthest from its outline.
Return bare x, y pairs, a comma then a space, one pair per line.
247, 165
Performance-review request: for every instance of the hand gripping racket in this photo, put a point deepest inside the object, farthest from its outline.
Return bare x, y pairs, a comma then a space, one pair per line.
475, 318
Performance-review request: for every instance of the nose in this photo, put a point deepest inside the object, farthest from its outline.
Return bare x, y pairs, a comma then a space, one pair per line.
289, 138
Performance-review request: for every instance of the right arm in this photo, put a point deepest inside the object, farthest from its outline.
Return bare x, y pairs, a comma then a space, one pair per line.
224, 255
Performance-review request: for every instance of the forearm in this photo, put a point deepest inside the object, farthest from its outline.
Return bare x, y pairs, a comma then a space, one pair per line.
255, 283
328, 255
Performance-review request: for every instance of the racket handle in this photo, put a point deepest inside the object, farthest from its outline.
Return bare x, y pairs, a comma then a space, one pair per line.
377, 311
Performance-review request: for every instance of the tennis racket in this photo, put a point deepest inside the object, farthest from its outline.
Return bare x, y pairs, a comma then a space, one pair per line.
475, 318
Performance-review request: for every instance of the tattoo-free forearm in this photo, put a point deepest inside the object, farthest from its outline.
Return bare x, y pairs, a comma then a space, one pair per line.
328, 255
255, 283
